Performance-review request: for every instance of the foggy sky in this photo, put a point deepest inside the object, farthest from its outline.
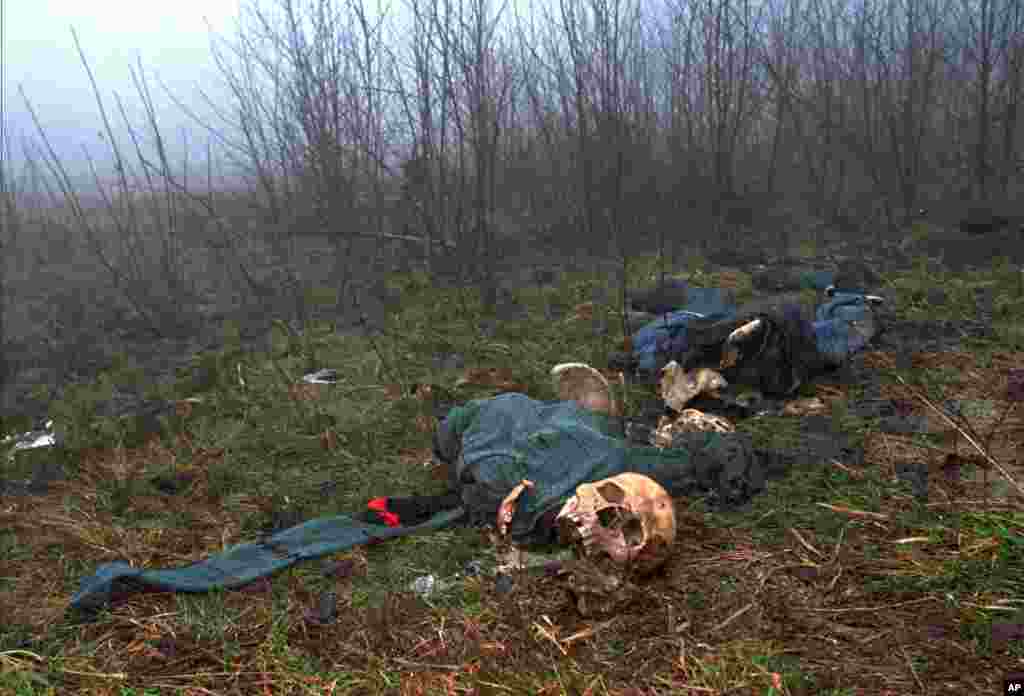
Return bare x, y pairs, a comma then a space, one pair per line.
172, 40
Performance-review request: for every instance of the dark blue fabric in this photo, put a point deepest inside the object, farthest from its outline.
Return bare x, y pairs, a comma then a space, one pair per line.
666, 335
501, 441
842, 326
244, 563
559, 445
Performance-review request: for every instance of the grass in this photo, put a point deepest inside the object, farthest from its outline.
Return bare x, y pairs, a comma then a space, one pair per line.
836, 580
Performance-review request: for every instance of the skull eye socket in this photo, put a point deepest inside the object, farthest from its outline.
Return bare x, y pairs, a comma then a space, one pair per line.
623, 521
611, 493
613, 517
627, 519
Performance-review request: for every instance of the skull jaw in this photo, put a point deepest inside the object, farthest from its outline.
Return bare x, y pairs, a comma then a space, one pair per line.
591, 539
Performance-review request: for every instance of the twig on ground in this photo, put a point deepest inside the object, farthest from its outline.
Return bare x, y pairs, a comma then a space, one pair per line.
547, 634
974, 443
732, 618
913, 671
881, 607
806, 544
852, 472
839, 543
855, 513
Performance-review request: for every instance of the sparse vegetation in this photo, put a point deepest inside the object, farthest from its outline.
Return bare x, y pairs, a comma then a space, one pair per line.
477, 200
786, 597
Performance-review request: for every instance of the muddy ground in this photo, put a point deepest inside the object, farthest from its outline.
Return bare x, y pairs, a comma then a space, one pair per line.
794, 594
40, 374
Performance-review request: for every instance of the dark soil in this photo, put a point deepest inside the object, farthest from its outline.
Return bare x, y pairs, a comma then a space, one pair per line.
819, 602
165, 358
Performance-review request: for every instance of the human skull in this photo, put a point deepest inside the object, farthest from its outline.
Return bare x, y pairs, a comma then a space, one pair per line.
628, 518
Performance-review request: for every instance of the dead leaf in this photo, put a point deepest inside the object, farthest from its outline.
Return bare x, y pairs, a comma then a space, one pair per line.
582, 312
185, 407
804, 407
828, 391
730, 279
879, 360
203, 458
304, 392
424, 392
328, 440
494, 377
426, 423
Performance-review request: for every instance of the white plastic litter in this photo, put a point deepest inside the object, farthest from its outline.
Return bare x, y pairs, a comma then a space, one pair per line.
425, 585
322, 376
33, 439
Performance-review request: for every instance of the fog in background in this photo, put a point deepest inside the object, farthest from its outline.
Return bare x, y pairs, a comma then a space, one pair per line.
172, 41
472, 138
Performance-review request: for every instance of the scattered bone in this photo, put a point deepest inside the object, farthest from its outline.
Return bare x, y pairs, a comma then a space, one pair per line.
586, 386
507, 509
689, 421
679, 387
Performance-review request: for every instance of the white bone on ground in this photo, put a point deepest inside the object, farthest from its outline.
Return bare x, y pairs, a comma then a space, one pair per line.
744, 331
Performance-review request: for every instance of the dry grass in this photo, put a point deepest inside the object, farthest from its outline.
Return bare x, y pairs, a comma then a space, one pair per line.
835, 581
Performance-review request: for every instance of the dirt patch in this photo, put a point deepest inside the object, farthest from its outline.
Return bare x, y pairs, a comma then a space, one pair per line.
840, 576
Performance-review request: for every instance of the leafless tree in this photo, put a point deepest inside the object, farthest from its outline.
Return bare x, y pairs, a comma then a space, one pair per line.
589, 122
